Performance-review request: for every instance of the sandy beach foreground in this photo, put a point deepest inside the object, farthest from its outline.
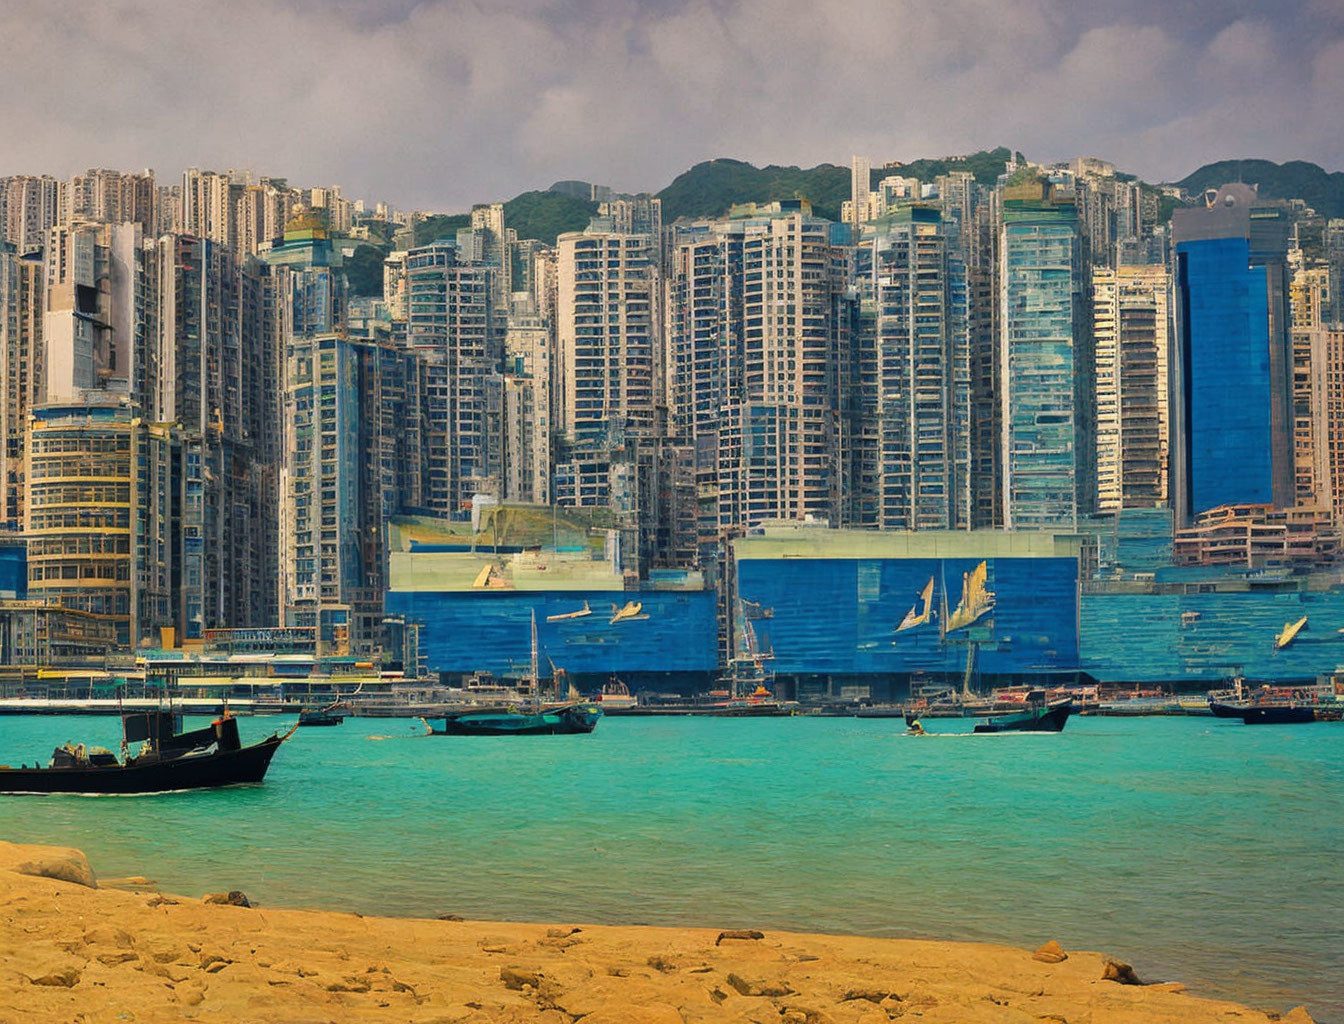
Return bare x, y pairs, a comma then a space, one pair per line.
74, 950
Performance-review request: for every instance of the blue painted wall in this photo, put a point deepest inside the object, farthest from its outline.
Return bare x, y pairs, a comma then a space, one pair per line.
839, 615
470, 631
1143, 637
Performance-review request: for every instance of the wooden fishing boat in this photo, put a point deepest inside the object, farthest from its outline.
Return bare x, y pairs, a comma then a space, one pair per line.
332, 714
515, 720
1033, 713
169, 759
520, 718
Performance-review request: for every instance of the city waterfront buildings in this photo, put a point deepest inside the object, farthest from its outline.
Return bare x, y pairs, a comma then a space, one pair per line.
956, 364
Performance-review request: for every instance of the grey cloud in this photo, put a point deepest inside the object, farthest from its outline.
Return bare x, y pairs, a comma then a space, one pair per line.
436, 104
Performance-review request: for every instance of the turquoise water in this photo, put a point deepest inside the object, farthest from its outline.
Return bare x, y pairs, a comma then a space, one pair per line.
1199, 850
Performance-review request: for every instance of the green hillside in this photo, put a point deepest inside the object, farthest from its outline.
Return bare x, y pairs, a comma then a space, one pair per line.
1296, 179
985, 165
440, 225
708, 189
364, 270
544, 215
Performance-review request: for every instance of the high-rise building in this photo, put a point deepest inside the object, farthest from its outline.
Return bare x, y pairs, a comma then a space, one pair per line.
634, 215
918, 375
22, 306
450, 329
1132, 343
30, 206
528, 374
332, 562
1328, 418
1310, 305
210, 204
1232, 418
1045, 389
980, 239
213, 371
860, 184
95, 307
760, 353
114, 196
609, 335
102, 486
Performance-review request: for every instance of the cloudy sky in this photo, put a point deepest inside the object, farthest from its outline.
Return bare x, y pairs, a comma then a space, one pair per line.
435, 104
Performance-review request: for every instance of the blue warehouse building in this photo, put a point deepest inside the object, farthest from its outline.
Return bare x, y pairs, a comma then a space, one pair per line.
474, 605
827, 603
673, 637
824, 607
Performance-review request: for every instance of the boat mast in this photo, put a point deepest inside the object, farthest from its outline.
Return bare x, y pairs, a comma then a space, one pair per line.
536, 682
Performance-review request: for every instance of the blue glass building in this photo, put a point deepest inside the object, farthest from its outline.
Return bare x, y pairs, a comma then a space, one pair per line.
1232, 409
1225, 369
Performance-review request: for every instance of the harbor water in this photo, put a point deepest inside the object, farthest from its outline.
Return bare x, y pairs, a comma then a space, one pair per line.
1199, 850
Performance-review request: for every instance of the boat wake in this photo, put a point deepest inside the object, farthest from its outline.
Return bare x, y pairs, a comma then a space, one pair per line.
126, 796
404, 735
962, 735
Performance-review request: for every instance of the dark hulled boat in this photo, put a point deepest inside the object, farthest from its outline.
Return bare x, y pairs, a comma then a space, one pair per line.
510, 720
332, 714
1033, 718
1284, 713
532, 718
170, 760
1033, 714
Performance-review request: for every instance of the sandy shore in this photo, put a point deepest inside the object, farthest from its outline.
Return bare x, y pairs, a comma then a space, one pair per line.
74, 950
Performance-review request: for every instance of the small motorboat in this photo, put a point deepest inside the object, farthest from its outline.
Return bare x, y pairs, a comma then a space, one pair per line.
332, 714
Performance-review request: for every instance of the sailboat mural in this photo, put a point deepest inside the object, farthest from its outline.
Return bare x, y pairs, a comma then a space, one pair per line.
976, 599
917, 616
1289, 634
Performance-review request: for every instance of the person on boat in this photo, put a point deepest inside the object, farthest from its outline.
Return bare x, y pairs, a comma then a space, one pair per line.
916, 729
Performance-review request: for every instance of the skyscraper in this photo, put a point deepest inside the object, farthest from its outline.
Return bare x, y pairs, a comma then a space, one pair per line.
917, 369
450, 330
332, 573
760, 358
1132, 342
860, 184
1045, 360
1233, 413
99, 514
609, 334
22, 375
29, 207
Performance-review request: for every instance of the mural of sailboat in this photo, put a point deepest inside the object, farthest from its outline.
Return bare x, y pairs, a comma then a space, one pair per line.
917, 616
564, 616
630, 611
976, 599
491, 577
1289, 634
